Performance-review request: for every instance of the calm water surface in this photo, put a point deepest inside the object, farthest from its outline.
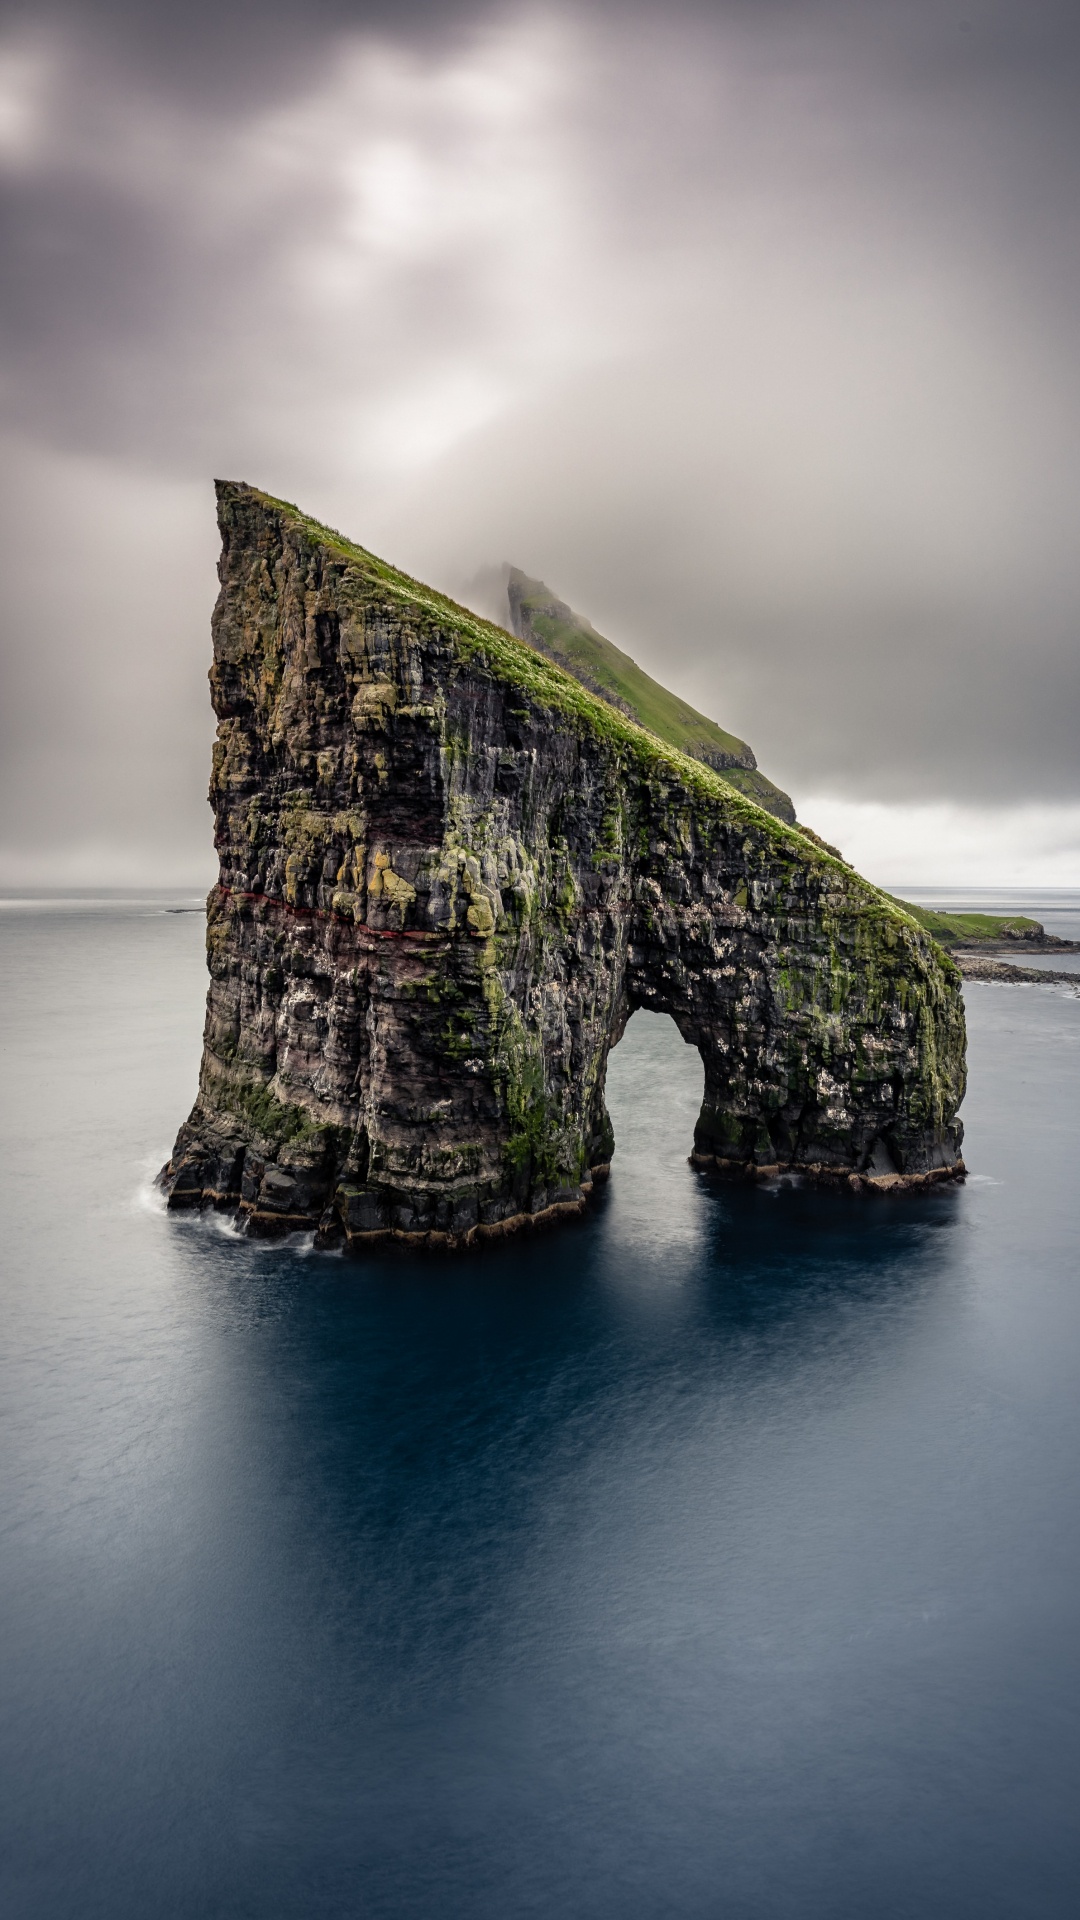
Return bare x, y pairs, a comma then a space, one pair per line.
717, 1557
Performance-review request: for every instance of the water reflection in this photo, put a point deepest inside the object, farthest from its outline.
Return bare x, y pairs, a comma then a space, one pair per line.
531, 1531
711, 1555
453, 1458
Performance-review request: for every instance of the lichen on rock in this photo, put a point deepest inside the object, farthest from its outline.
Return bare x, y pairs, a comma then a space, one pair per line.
450, 873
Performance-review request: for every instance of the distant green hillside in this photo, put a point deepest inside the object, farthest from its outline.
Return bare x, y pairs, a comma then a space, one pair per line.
553, 628
960, 929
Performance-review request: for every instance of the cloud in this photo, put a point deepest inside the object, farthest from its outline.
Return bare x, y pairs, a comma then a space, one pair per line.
105, 724
945, 844
750, 328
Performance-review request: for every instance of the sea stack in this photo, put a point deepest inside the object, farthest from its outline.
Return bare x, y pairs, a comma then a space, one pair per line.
450, 873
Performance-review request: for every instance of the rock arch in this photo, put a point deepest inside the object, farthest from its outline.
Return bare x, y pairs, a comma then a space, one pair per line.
448, 876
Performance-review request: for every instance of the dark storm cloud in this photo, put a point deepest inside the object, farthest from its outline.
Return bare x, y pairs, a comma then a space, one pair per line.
751, 326
229, 55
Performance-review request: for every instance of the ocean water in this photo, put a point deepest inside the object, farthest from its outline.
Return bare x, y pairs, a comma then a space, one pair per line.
715, 1557
1058, 908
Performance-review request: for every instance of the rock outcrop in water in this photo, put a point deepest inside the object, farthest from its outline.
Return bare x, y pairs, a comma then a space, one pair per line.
449, 874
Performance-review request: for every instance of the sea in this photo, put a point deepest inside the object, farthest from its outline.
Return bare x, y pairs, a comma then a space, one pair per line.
714, 1558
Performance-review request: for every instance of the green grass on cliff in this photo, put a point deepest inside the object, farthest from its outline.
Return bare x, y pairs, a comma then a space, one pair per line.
577, 646
955, 929
574, 643
518, 665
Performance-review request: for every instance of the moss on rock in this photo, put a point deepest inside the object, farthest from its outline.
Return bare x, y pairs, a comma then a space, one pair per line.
449, 872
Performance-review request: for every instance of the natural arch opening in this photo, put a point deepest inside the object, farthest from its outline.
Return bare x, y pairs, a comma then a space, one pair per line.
655, 1087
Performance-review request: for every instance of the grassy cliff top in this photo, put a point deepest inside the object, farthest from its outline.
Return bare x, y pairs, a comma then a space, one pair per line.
956, 929
547, 623
518, 665
511, 660
539, 617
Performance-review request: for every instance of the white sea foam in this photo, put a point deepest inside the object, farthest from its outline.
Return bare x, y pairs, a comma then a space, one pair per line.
148, 1196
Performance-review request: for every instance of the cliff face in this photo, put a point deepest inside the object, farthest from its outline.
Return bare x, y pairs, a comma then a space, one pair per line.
449, 874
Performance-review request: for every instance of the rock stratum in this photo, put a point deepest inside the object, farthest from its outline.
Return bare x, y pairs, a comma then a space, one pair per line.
450, 873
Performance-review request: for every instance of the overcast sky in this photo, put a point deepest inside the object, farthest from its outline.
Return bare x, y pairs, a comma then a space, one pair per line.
751, 327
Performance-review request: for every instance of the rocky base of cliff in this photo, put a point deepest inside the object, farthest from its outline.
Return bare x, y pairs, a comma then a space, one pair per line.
189, 1188
889, 1181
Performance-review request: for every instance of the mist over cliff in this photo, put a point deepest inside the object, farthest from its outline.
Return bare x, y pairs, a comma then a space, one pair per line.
752, 328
